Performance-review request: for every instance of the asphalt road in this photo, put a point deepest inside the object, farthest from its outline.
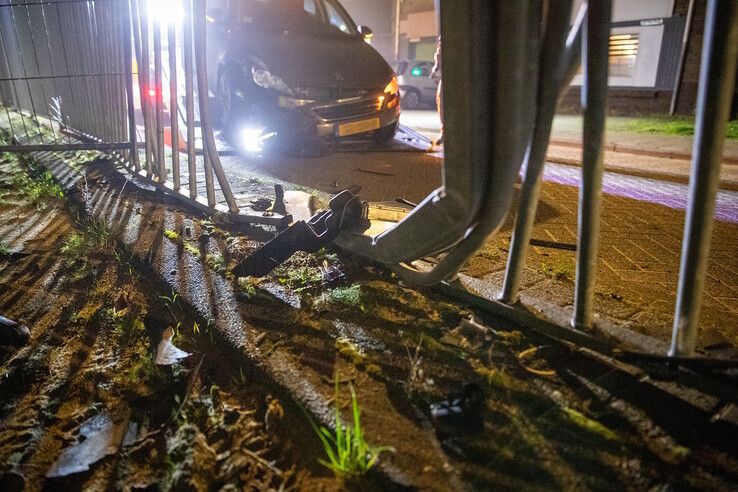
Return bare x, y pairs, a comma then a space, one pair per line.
405, 171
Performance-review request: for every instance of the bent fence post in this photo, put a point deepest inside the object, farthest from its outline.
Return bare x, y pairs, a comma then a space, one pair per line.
717, 81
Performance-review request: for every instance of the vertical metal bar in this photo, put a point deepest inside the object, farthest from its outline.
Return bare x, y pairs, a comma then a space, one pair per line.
595, 47
173, 102
198, 21
204, 99
103, 93
16, 100
682, 58
554, 46
128, 57
717, 82
51, 63
72, 87
105, 39
34, 116
189, 75
94, 107
161, 156
141, 17
116, 18
40, 83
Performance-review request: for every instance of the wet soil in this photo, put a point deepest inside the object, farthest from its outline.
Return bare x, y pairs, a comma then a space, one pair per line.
96, 321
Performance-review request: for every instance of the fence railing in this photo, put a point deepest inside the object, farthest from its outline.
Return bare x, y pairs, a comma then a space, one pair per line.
122, 76
510, 63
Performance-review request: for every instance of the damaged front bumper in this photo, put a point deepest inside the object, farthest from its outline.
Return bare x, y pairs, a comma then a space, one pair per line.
336, 119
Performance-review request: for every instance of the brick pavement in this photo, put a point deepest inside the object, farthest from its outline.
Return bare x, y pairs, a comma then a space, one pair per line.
638, 267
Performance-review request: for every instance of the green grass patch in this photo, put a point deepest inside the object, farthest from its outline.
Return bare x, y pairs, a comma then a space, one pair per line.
299, 278
172, 235
248, 286
561, 270
192, 249
125, 328
39, 187
670, 125
351, 297
93, 240
85, 157
216, 262
348, 454
4, 251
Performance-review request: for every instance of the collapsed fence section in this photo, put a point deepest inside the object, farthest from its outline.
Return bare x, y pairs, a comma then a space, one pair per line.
127, 77
64, 72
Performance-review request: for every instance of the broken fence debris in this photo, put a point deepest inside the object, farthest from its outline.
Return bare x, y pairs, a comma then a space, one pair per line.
344, 210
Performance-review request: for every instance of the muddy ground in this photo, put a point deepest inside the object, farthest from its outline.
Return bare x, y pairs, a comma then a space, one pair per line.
85, 406
89, 374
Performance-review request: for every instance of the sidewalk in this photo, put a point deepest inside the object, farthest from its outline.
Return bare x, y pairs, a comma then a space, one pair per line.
665, 157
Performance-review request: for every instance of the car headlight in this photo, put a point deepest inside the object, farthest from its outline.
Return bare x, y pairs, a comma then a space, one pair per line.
292, 102
393, 87
264, 78
392, 93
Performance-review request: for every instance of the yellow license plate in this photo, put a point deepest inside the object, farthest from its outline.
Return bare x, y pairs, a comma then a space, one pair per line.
358, 127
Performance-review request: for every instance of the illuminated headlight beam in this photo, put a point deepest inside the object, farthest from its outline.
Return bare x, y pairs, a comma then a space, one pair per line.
252, 139
166, 11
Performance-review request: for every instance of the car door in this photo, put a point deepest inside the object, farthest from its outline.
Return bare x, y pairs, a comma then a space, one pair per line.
427, 85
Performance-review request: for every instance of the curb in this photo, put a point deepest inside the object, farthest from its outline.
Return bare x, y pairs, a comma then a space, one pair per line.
733, 161
724, 185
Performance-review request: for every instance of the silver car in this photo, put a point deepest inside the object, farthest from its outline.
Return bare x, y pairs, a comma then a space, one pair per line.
416, 85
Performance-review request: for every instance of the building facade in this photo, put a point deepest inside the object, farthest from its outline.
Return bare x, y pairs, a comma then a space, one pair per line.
645, 48
646, 45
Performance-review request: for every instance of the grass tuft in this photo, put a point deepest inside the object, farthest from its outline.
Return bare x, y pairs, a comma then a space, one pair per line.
349, 455
562, 270
299, 278
351, 297
39, 187
94, 238
248, 286
589, 424
93, 241
192, 249
216, 262
172, 235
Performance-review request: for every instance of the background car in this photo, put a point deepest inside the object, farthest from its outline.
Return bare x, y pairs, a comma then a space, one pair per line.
299, 69
416, 85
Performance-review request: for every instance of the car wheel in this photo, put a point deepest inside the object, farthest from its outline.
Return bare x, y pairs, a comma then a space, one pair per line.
387, 134
411, 99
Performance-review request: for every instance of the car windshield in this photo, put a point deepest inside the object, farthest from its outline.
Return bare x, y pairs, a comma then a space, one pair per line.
311, 16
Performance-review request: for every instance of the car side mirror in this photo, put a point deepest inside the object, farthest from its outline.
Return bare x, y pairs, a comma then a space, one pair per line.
366, 33
214, 15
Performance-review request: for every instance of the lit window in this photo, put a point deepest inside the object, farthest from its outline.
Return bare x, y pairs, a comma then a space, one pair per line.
622, 53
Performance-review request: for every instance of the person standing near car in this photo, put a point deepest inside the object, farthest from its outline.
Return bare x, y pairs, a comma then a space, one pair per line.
436, 75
